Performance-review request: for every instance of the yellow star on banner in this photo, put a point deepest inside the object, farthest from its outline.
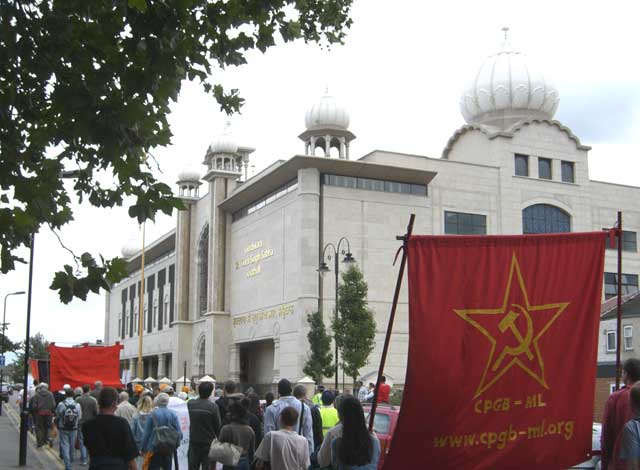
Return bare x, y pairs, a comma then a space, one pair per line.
513, 330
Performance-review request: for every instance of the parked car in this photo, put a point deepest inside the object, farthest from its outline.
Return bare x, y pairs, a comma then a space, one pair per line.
4, 392
384, 424
594, 463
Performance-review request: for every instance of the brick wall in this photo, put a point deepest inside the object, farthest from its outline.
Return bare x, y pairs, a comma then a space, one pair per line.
603, 390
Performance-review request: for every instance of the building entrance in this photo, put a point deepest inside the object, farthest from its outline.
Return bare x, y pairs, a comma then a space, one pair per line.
256, 365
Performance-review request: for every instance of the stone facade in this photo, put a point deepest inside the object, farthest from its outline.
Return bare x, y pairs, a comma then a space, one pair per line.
246, 253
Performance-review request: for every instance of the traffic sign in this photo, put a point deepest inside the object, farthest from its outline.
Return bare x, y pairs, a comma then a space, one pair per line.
2, 360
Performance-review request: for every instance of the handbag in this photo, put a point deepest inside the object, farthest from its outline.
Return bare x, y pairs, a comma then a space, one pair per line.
225, 453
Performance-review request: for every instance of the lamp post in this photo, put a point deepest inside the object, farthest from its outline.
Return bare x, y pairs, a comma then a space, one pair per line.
4, 325
324, 268
22, 451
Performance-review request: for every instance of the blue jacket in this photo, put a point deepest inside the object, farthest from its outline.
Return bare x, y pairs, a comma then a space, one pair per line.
139, 423
164, 417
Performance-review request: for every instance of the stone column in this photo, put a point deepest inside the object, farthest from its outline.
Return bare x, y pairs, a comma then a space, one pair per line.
161, 366
342, 147
327, 145
133, 367
217, 237
308, 255
183, 244
234, 363
276, 360
312, 150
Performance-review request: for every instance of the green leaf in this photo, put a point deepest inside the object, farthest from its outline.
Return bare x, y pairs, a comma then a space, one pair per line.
111, 71
140, 5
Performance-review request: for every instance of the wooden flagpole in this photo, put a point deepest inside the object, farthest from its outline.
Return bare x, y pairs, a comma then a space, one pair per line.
141, 310
394, 306
619, 305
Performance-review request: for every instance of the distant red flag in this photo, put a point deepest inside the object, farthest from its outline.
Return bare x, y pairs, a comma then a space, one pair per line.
85, 365
33, 366
503, 337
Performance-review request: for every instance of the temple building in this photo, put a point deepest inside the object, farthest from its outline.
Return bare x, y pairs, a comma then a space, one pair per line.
228, 292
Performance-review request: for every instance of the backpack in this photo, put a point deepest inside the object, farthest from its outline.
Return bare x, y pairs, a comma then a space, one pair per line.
166, 438
69, 417
316, 419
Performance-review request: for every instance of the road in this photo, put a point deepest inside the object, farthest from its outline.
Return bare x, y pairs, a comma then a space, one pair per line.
44, 458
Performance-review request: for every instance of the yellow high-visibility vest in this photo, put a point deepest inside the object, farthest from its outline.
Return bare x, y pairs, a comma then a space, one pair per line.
329, 417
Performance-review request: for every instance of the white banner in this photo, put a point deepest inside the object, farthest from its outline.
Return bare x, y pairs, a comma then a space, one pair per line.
183, 418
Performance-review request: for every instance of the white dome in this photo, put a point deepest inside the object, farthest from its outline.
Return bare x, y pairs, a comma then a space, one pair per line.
189, 174
224, 143
508, 88
327, 113
130, 248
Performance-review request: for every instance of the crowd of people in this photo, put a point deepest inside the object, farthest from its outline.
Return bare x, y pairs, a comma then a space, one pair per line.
136, 428
620, 438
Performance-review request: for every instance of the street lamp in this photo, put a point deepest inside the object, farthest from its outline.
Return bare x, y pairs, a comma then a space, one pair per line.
22, 451
324, 268
4, 339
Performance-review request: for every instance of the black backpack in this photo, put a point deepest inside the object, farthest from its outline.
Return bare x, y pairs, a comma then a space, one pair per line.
316, 418
167, 439
70, 417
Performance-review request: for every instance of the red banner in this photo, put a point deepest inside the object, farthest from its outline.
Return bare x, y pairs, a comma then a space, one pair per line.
503, 336
84, 365
33, 367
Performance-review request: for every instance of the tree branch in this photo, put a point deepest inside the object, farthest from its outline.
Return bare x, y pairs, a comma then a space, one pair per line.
75, 257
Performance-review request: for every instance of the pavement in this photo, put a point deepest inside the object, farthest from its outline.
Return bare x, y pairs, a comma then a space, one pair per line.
44, 458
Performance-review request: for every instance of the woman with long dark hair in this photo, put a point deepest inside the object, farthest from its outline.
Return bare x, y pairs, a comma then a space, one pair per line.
356, 449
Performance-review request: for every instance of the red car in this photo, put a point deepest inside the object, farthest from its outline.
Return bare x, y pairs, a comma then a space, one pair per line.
384, 424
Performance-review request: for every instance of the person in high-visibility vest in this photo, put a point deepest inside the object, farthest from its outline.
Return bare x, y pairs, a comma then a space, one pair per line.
317, 398
328, 412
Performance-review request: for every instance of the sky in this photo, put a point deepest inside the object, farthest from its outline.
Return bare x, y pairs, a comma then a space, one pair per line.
400, 75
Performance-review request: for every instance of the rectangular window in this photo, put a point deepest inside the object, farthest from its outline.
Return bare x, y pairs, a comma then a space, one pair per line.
374, 185
419, 189
629, 284
629, 241
628, 337
544, 168
459, 223
265, 200
522, 165
568, 172
611, 340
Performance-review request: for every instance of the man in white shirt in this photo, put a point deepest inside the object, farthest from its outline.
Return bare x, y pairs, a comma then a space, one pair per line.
304, 425
284, 449
125, 409
362, 392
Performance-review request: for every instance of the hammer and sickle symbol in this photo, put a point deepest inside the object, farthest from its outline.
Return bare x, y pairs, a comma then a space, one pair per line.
524, 343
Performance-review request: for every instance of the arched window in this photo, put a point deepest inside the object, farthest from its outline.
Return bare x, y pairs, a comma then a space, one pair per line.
545, 218
201, 357
203, 270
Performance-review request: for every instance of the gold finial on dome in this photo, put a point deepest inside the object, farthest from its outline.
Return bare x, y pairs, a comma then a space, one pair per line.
506, 43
